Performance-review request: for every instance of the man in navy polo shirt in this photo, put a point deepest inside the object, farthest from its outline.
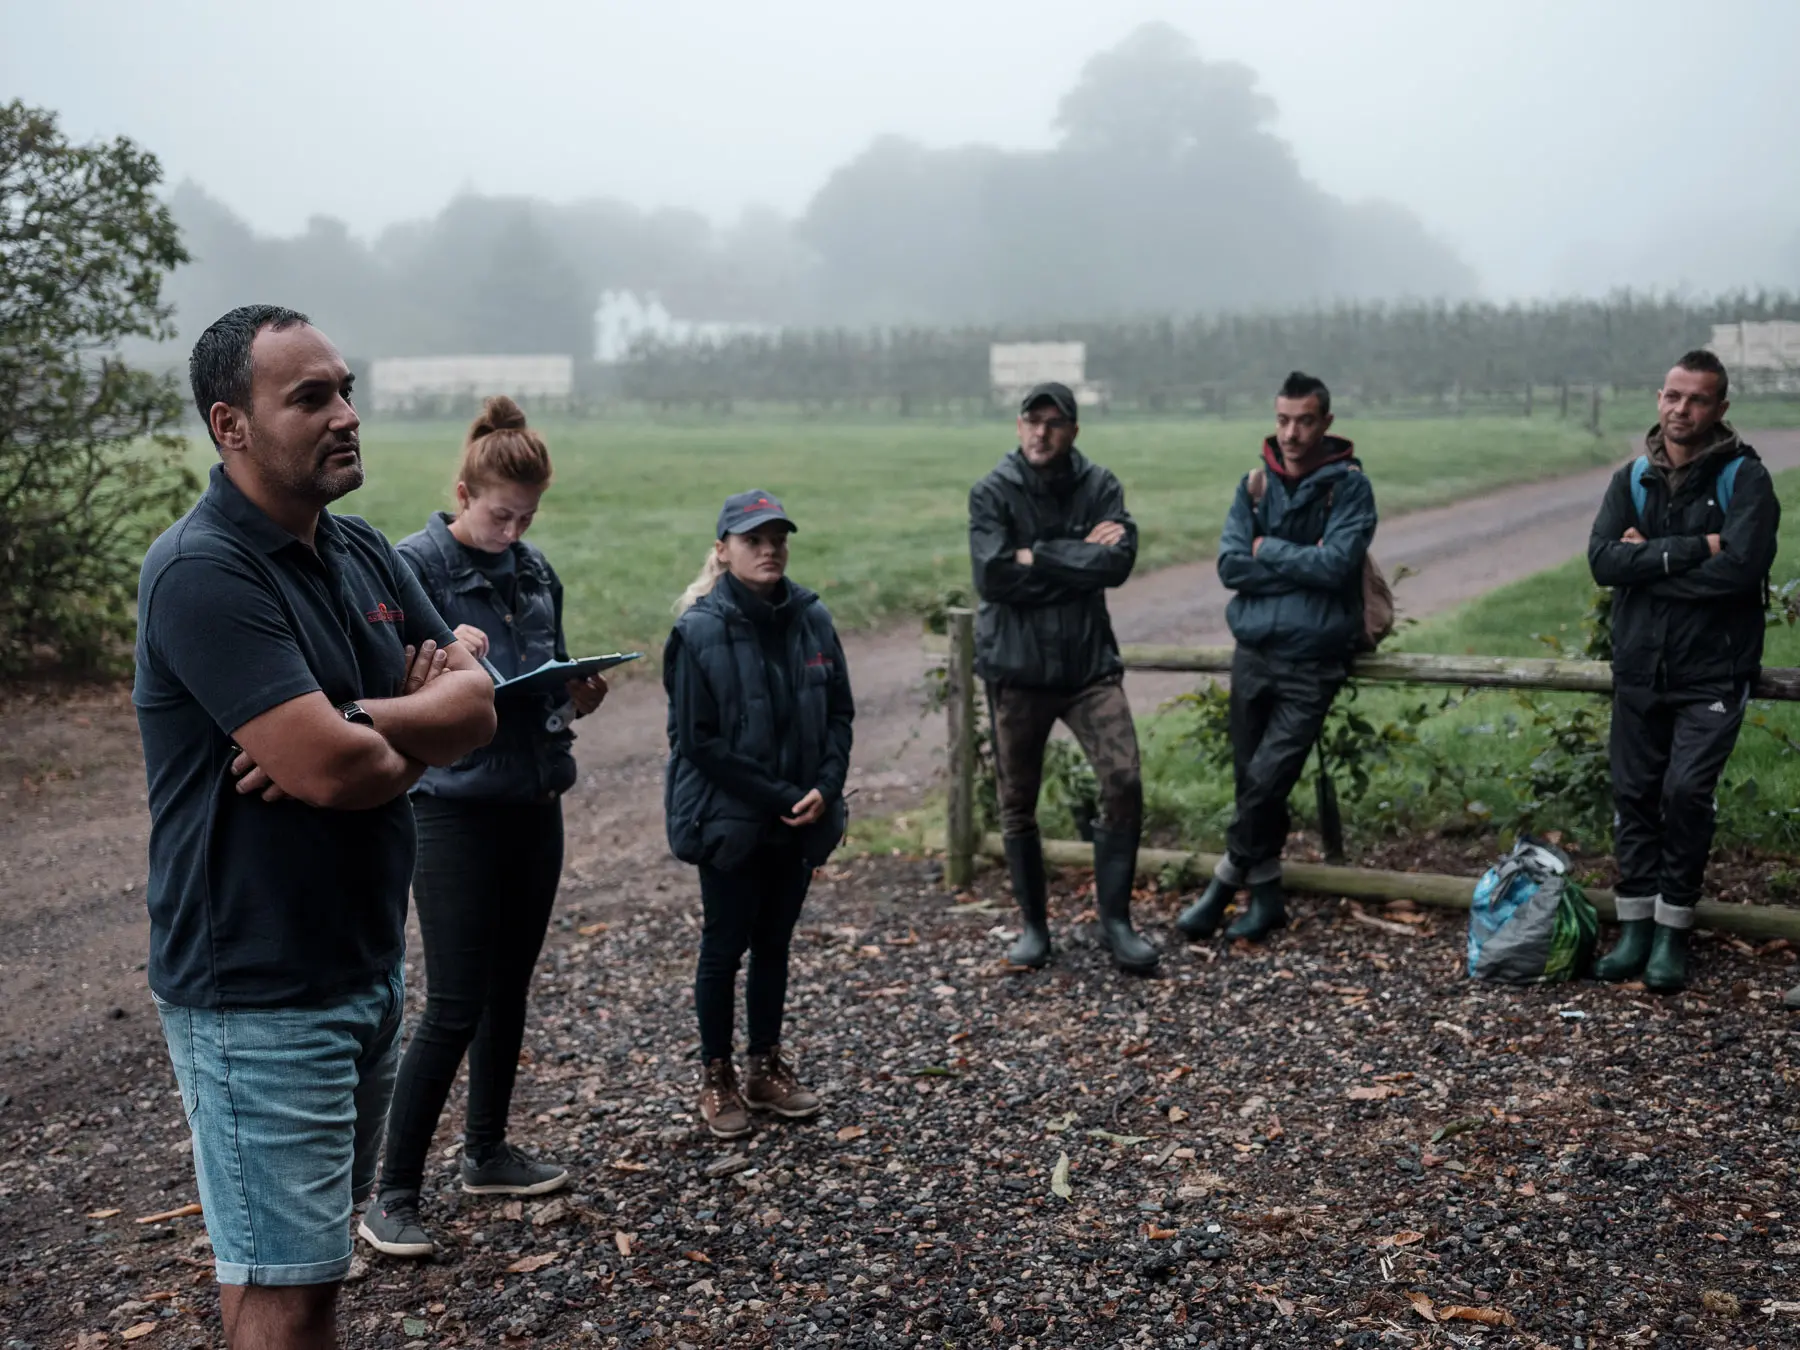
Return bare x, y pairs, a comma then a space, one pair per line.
292, 683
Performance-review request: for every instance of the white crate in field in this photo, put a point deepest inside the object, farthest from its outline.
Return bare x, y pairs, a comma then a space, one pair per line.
1759, 354
403, 382
1013, 367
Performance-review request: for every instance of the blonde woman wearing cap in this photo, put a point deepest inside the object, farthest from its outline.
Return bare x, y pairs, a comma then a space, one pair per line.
760, 717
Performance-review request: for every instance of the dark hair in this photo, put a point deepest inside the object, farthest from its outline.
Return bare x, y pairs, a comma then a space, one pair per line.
1301, 385
501, 449
219, 369
1703, 362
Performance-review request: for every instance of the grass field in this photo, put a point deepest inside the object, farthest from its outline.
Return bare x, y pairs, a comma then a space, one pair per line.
882, 505
1490, 740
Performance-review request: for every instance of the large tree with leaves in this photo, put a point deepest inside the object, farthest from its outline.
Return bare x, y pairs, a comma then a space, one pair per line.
90, 462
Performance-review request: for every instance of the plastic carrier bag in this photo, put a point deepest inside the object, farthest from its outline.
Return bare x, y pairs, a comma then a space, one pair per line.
1530, 923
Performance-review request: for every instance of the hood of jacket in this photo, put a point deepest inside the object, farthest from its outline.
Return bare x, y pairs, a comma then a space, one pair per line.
1332, 450
1721, 445
730, 598
1058, 480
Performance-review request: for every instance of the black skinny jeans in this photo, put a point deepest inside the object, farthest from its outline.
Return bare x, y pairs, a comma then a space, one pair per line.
752, 909
484, 885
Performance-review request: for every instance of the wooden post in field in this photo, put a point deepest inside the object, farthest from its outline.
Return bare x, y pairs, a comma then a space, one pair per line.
1562, 403
1594, 412
960, 837
1530, 392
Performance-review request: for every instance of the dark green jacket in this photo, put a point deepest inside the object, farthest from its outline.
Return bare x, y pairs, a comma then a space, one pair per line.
1299, 598
1046, 625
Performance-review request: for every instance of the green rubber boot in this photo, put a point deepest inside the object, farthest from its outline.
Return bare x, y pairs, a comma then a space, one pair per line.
1630, 953
1792, 999
1267, 912
1666, 970
1200, 920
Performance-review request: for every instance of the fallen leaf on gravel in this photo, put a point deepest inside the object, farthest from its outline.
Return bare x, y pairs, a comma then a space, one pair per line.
592, 929
1059, 1178
626, 1165
729, 1165
1060, 1123
1177, 1115
1156, 1234
623, 1242
181, 1213
104, 1213
1528, 1189
1380, 1092
1119, 1140
1404, 1238
1787, 1249
513, 1210
1720, 1302
1385, 925
892, 991
850, 1132
139, 1329
1454, 1128
526, 1264
697, 1256
414, 1326
1771, 1307
550, 1212
1422, 1305
1488, 1317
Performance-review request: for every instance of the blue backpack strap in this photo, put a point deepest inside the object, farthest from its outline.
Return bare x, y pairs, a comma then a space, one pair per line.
1723, 484
1639, 469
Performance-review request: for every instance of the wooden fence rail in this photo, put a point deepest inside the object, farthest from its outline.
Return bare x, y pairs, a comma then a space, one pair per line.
964, 840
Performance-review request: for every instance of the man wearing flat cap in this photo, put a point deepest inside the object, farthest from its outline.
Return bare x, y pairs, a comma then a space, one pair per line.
1048, 536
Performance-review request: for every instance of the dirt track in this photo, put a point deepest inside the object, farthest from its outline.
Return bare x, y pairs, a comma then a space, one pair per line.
73, 826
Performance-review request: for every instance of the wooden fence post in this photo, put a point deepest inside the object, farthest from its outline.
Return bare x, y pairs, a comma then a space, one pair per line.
961, 839
1594, 412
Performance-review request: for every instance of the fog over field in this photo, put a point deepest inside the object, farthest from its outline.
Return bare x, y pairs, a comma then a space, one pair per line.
798, 162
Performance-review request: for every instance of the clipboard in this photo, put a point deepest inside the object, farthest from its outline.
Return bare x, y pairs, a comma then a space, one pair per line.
550, 677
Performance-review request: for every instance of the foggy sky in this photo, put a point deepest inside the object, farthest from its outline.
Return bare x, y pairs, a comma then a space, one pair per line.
1559, 147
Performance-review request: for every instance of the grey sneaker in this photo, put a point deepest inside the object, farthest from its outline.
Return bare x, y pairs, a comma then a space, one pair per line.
391, 1225
507, 1171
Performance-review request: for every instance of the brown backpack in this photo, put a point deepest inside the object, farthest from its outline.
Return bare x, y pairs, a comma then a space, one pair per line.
1377, 595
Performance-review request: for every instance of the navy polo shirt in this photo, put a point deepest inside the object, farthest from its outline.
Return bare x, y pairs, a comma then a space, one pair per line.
254, 903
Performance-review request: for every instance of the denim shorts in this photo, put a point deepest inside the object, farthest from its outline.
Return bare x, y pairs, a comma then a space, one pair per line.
286, 1108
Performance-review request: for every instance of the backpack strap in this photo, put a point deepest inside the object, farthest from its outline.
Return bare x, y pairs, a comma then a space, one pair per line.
1640, 469
1722, 485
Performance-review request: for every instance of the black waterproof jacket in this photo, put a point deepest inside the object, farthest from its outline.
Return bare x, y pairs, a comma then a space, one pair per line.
1682, 616
760, 713
524, 762
1046, 625
1299, 597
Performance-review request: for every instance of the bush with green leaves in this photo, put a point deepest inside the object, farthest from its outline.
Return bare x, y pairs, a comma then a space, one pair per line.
90, 462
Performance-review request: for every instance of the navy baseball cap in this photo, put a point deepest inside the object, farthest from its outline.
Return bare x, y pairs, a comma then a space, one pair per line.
1059, 394
744, 511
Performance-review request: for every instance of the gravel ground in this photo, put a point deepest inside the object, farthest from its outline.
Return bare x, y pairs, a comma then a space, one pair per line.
1336, 1140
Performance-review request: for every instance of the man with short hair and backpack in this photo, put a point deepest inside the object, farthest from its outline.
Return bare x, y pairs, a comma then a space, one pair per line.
1685, 537
1295, 549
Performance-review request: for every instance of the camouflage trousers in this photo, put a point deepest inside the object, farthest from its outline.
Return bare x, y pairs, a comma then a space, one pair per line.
1100, 717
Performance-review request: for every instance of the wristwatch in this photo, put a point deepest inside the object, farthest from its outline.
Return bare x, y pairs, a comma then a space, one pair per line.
353, 712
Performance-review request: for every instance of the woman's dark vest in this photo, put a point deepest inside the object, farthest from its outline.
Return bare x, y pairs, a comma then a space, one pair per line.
706, 824
524, 762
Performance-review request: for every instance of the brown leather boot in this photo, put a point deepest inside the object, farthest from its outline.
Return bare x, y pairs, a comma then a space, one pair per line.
773, 1087
721, 1104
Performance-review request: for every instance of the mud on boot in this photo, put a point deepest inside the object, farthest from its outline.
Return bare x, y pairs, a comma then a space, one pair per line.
1031, 889
1200, 920
1267, 912
1115, 869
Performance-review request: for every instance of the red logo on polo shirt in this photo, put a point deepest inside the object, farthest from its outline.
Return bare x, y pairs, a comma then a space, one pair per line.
384, 613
